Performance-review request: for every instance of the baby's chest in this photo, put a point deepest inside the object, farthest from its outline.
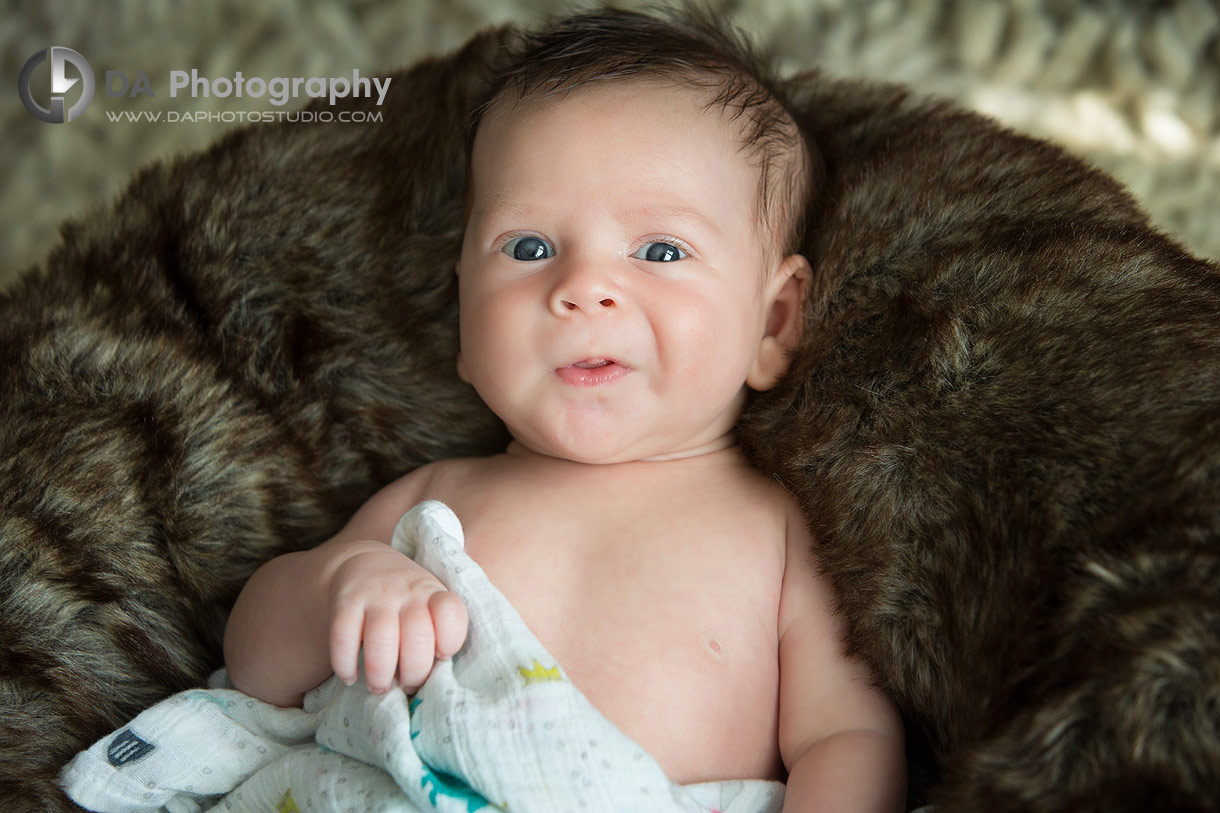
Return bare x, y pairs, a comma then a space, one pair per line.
659, 604
595, 582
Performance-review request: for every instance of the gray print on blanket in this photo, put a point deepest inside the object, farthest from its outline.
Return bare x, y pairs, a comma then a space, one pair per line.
498, 727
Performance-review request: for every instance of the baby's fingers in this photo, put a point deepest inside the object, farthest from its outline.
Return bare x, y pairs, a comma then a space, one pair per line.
345, 630
417, 646
381, 645
449, 621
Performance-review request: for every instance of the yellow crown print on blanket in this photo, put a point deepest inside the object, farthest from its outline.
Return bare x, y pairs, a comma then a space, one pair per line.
539, 673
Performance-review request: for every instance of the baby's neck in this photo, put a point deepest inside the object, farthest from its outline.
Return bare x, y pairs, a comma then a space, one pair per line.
721, 443
722, 449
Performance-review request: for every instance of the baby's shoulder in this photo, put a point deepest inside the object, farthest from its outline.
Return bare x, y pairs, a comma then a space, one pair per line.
765, 495
459, 480
750, 505
772, 505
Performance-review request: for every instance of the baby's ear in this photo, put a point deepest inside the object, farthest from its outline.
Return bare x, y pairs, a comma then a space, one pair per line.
786, 294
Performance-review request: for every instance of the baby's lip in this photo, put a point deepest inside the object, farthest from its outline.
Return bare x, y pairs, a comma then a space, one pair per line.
592, 363
592, 371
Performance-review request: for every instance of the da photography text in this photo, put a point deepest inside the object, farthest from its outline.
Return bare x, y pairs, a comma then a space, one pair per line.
279, 90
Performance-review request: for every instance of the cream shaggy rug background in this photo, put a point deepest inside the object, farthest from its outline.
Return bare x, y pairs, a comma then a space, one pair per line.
1131, 85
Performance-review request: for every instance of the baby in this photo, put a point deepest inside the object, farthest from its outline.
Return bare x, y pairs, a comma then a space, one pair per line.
627, 274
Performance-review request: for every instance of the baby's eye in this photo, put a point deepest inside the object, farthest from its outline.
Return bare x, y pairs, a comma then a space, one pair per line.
659, 252
528, 248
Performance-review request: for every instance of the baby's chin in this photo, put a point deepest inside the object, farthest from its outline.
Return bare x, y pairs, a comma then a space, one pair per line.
595, 449
571, 453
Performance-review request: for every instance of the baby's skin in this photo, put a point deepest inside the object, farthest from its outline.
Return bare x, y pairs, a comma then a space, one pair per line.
618, 298
656, 585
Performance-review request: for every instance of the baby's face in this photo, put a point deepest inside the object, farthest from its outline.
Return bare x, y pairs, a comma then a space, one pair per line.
613, 282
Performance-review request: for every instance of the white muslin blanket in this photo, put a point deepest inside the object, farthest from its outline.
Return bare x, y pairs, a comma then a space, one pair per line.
498, 727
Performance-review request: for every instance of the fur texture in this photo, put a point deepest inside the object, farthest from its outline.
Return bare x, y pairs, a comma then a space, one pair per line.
219, 369
1003, 425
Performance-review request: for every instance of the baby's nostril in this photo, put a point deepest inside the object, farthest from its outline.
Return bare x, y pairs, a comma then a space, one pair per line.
608, 303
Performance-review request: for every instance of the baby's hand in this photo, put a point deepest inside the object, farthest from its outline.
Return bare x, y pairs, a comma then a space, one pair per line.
402, 614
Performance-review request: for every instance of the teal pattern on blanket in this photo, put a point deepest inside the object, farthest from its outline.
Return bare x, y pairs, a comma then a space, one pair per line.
439, 783
442, 784
497, 727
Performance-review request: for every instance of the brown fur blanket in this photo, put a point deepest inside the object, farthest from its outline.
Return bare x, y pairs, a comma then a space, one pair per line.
1003, 426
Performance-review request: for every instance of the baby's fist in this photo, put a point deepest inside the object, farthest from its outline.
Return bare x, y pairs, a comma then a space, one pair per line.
400, 614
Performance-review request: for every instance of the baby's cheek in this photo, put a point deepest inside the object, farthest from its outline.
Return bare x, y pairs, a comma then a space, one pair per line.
485, 326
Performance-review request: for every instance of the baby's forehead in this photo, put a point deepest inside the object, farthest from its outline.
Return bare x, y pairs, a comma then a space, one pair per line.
684, 96
506, 120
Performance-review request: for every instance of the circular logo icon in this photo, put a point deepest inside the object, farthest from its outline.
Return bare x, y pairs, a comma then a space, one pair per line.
60, 83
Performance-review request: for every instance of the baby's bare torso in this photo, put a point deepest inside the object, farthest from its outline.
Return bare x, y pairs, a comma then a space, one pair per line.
655, 586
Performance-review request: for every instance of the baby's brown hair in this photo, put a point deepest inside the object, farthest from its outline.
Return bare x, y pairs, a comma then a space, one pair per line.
685, 45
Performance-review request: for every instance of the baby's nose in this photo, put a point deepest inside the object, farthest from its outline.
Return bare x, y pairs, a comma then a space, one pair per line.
584, 290
606, 302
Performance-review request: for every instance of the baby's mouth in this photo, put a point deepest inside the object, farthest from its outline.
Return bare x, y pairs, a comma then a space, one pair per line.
592, 372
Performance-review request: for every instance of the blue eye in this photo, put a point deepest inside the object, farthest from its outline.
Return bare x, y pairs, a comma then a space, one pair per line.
659, 252
528, 248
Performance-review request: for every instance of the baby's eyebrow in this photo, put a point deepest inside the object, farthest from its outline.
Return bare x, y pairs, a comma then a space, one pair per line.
681, 212
499, 203
511, 206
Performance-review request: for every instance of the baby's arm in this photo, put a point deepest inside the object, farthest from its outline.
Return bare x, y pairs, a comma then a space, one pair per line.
303, 616
840, 737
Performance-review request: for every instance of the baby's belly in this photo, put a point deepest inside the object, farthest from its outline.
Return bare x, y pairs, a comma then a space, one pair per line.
684, 666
